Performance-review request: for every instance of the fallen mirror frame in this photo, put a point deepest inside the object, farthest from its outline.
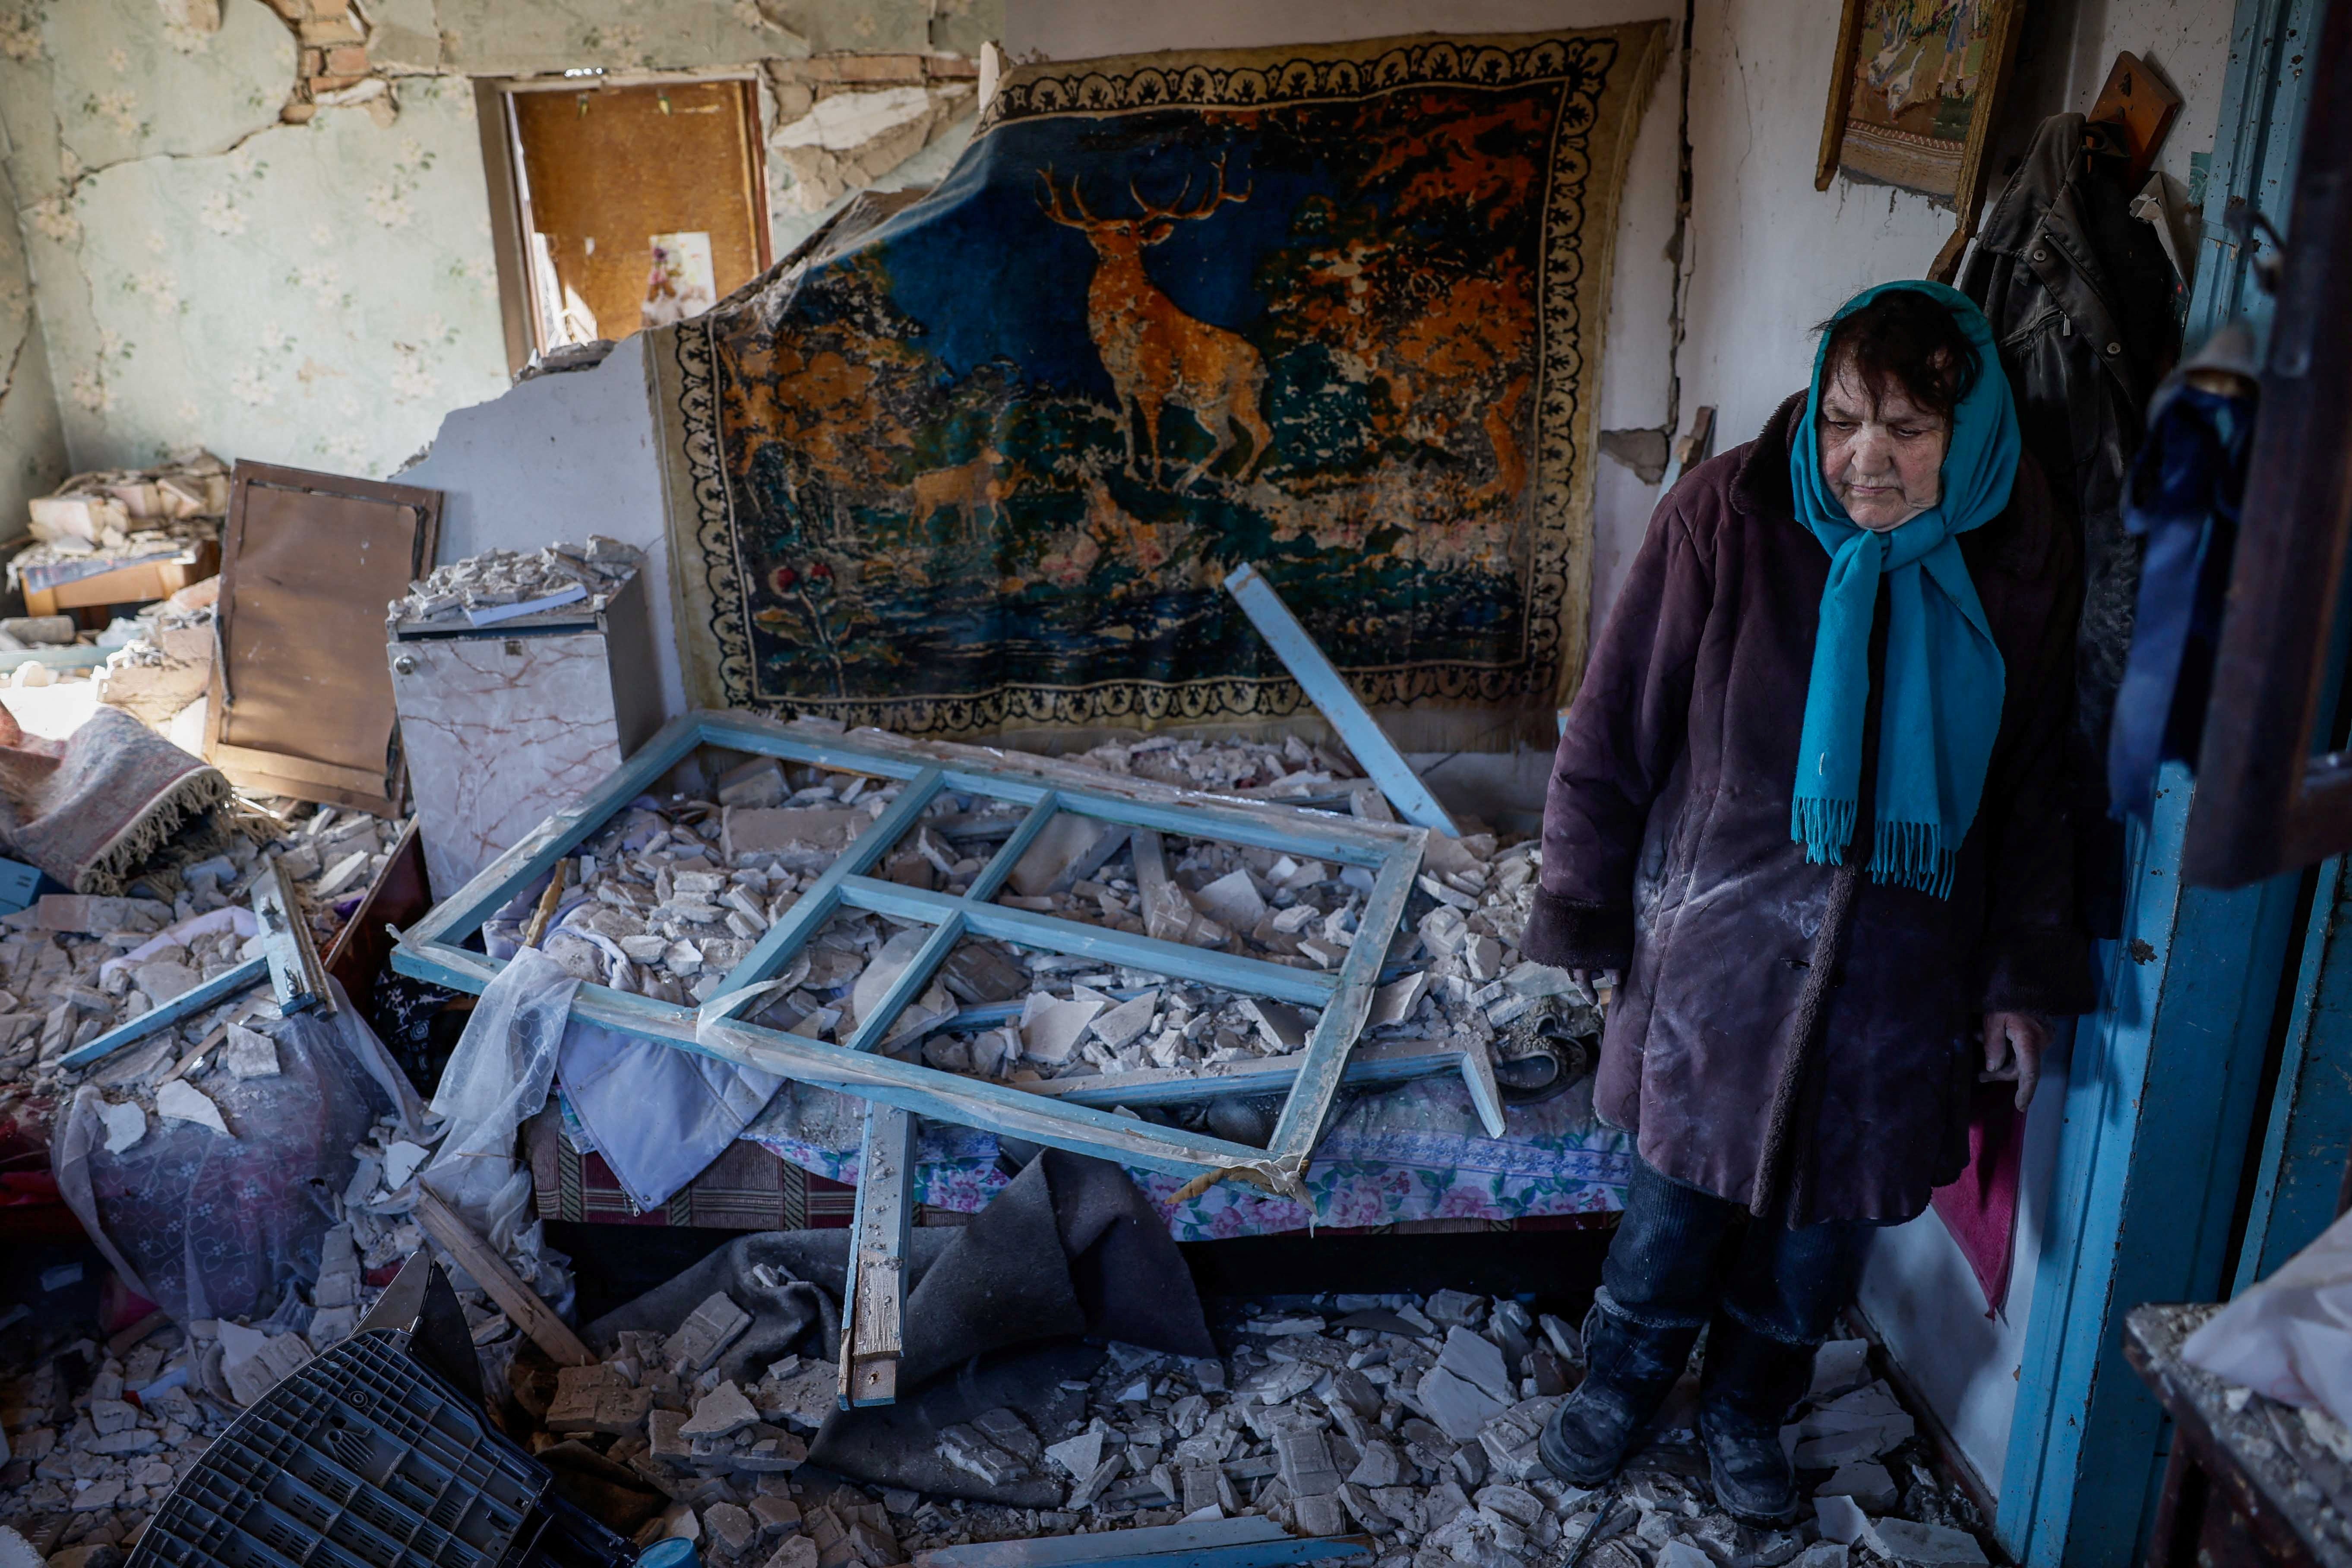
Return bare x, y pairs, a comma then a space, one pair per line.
1080, 1115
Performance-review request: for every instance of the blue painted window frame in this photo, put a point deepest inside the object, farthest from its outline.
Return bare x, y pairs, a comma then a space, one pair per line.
432, 949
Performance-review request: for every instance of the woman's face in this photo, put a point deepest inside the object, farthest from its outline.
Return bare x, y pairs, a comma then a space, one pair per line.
1883, 457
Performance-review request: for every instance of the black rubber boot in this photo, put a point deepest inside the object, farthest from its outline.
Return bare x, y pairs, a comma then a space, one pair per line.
1632, 1371
1746, 1389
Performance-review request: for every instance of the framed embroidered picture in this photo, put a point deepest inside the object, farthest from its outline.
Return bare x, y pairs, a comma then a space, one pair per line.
1913, 90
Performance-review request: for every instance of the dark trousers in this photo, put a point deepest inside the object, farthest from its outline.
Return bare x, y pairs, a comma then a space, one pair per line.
1680, 1255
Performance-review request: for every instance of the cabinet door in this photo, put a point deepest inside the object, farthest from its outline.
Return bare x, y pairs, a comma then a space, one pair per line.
500, 731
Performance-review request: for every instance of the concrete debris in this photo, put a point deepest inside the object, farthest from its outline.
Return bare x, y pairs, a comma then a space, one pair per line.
1866, 1482
503, 585
1903, 1541
1839, 1366
708, 1330
1841, 1519
180, 1101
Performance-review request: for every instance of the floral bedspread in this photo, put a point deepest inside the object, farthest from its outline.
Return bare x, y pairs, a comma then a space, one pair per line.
1413, 1152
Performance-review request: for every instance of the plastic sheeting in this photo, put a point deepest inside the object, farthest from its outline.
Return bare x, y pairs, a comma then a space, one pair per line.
498, 1079
2290, 1337
213, 1227
658, 1115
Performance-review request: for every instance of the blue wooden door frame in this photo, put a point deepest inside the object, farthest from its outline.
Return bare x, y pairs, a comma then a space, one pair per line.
2308, 1136
2164, 1092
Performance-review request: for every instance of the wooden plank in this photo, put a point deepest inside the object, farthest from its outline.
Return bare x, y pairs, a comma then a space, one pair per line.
1343, 1015
305, 770
1337, 701
296, 976
535, 1317
874, 1313
1024, 778
938, 1096
1053, 1550
1245, 1541
186, 1004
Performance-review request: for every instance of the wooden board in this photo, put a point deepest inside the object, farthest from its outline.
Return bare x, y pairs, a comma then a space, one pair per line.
302, 699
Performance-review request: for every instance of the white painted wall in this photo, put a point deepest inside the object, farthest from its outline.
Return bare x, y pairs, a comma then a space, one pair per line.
560, 458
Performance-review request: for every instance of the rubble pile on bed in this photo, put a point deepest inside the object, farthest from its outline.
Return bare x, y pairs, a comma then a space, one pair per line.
677, 890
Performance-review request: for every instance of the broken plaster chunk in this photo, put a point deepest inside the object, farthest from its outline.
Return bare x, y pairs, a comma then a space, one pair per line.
1119, 1027
1232, 899
773, 831
709, 1330
341, 874
1475, 1358
1005, 1428
1841, 1520
125, 1123
967, 1451
1840, 1367
722, 1413
1282, 1026
400, 1163
1395, 1003
162, 979
249, 1053
1866, 1482
1903, 1540
1051, 1028
1078, 1455
1459, 1406
180, 1101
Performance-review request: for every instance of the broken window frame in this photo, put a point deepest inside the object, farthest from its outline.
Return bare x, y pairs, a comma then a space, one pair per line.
431, 949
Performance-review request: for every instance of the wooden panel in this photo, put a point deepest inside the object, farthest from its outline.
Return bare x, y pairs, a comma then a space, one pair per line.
300, 692
606, 168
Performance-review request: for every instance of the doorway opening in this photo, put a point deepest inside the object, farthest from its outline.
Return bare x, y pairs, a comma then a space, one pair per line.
626, 205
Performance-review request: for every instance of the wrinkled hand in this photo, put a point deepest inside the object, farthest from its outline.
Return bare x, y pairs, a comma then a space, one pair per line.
1595, 981
2014, 1043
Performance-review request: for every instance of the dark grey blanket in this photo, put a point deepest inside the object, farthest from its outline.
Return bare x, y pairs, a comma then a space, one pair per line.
995, 1314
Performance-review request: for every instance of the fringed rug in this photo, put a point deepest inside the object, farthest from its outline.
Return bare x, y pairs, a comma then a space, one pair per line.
978, 464
93, 809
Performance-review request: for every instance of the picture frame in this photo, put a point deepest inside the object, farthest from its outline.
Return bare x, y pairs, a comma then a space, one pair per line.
1914, 107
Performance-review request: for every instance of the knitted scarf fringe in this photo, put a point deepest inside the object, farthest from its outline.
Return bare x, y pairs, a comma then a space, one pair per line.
1905, 854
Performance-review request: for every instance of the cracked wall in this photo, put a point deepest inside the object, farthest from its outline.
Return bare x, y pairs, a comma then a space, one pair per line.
32, 442
242, 239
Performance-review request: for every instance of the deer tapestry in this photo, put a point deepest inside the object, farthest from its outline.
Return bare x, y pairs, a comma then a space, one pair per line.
976, 462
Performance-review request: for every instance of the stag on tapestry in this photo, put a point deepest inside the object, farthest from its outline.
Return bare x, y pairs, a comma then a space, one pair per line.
985, 465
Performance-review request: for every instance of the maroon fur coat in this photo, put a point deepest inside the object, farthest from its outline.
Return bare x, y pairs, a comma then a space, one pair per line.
1666, 854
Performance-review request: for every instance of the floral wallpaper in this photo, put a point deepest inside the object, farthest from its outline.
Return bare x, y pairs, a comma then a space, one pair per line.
316, 294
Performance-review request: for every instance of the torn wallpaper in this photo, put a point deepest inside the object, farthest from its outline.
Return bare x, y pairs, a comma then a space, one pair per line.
976, 464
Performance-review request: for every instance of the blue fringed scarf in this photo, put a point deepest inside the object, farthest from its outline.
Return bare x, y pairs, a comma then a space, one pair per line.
1944, 676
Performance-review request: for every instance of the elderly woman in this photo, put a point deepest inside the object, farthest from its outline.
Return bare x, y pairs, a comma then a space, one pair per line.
1809, 801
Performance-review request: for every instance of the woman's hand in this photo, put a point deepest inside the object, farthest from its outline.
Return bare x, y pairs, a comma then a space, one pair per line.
2014, 1043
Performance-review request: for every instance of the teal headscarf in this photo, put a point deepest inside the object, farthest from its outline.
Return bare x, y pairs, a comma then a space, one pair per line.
1942, 707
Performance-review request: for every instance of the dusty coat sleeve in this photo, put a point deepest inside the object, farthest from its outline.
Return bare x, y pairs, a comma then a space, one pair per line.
1624, 731
2034, 956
